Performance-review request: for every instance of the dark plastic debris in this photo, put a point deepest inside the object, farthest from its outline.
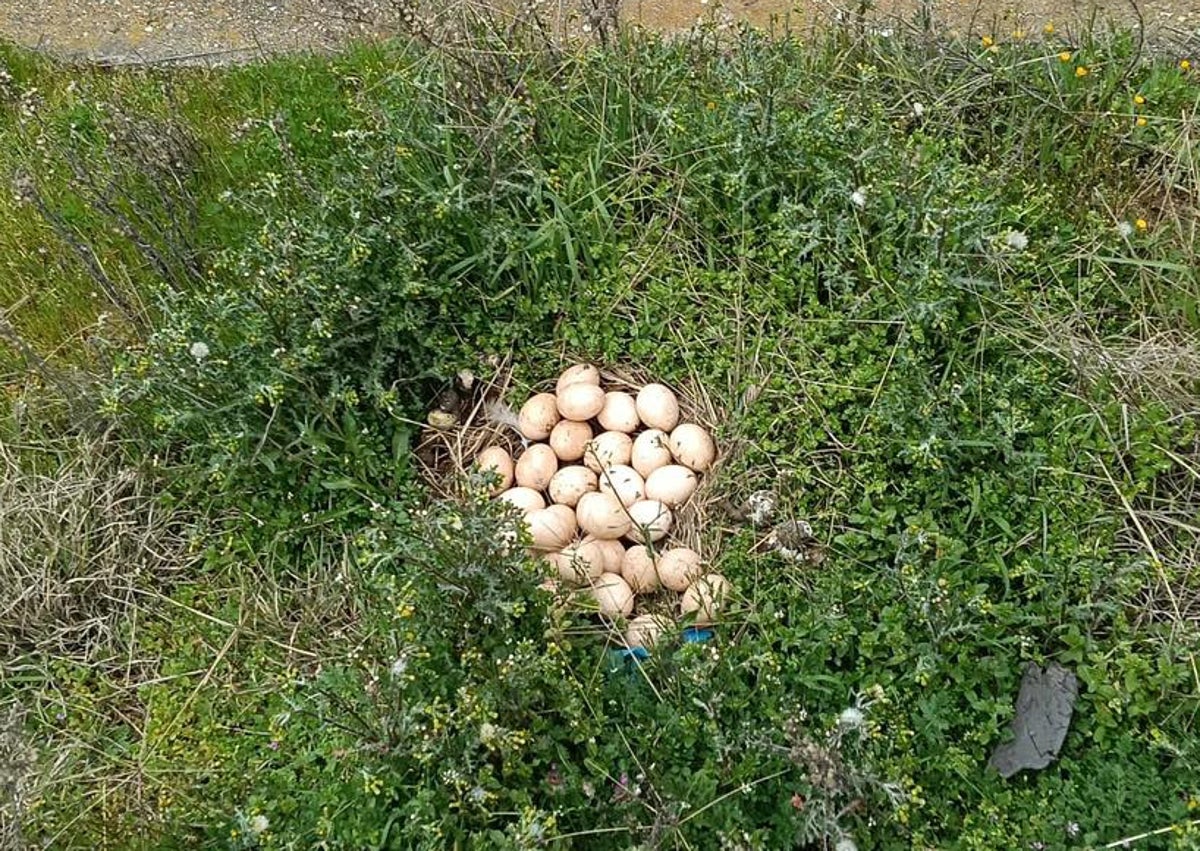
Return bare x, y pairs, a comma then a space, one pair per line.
1044, 708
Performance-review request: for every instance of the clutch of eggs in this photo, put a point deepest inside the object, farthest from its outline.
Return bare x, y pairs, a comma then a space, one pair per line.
599, 480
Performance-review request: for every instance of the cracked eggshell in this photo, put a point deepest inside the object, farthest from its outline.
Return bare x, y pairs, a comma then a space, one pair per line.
619, 412
580, 402
645, 630
602, 515
570, 483
650, 521
706, 597
623, 482
538, 416
608, 448
497, 460
536, 466
673, 484
650, 451
613, 595
638, 570
580, 373
677, 567
551, 528
526, 499
693, 447
568, 439
658, 407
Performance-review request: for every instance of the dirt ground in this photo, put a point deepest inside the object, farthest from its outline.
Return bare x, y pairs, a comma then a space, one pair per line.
203, 31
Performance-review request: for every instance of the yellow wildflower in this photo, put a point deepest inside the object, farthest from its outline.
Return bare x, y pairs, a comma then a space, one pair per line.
1018, 34
1065, 56
1141, 121
1185, 65
1139, 100
987, 41
1049, 28
710, 105
1082, 71
1141, 224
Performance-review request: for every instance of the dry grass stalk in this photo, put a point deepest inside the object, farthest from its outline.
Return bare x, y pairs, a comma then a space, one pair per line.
81, 536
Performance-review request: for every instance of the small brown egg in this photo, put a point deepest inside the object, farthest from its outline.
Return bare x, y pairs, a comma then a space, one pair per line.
580, 373
637, 569
608, 448
657, 407
580, 402
570, 483
619, 412
538, 416
526, 499
650, 521
677, 567
536, 466
613, 595
645, 630
602, 515
495, 459
551, 528
580, 562
650, 451
673, 484
623, 482
693, 447
568, 439
706, 597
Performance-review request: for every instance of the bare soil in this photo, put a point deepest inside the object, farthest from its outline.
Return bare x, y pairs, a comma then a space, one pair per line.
215, 31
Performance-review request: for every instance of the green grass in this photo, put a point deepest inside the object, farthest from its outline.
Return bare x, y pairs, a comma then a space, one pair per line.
958, 338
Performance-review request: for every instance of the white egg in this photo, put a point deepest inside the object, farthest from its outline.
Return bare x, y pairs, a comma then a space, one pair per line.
570, 483
613, 595
602, 515
612, 551
650, 521
495, 459
673, 484
657, 406
637, 568
706, 597
526, 499
580, 402
580, 373
645, 630
538, 416
551, 528
568, 439
677, 567
693, 447
580, 562
608, 448
623, 482
536, 466
619, 412
650, 451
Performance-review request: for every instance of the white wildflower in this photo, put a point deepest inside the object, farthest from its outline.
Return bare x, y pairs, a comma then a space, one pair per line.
199, 351
918, 108
488, 732
1016, 240
845, 844
851, 718
859, 198
1125, 229
400, 666
259, 825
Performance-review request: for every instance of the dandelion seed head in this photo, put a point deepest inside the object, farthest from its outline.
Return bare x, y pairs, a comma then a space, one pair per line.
199, 351
1016, 240
259, 825
858, 198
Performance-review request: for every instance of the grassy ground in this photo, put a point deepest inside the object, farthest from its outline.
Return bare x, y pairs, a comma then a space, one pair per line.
940, 295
